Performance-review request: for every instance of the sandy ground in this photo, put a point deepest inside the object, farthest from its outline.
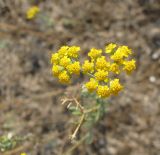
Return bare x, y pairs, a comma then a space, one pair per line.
30, 96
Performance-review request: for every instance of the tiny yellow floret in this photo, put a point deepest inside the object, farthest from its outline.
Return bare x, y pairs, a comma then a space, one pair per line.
121, 52
129, 66
88, 67
74, 68
102, 64
101, 75
55, 58
32, 12
64, 77
126, 51
56, 70
117, 56
115, 86
109, 48
23, 153
114, 68
63, 51
91, 85
65, 61
73, 51
103, 91
95, 53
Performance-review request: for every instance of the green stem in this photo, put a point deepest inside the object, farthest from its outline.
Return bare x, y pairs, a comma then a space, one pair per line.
91, 110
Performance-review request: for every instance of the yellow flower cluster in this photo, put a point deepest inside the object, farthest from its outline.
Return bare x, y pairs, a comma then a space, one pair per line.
23, 154
110, 48
88, 67
100, 67
32, 12
94, 53
103, 69
120, 53
65, 63
129, 66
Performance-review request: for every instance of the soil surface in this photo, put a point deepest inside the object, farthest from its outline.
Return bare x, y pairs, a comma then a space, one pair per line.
30, 97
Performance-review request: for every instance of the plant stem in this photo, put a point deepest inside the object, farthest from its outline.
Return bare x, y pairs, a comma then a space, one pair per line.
78, 127
91, 109
76, 145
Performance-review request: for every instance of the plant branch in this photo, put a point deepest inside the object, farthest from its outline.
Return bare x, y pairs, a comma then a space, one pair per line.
73, 136
77, 144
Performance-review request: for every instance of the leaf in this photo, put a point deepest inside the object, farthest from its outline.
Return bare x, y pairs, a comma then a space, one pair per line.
98, 115
76, 112
72, 108
89, 138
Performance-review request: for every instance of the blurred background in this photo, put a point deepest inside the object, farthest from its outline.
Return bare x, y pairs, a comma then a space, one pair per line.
30, 97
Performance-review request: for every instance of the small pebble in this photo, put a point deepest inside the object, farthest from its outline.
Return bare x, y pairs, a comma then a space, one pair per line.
152, 79
155, 56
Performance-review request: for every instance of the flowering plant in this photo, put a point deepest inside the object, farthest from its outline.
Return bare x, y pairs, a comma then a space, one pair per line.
32, 12
102, 69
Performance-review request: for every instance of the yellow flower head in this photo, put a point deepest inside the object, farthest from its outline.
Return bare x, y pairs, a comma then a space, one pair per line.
88, 67
102, 64
64, 77
65, 61
115, 86
101, 75
125, 50
121, 52
74, 68
129, 66
73, 51
95, 53
103, 91
114, 68
109, 48
56, 70
23, 153
117, 56
91, 85
63, 51
55, 58
32, 12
